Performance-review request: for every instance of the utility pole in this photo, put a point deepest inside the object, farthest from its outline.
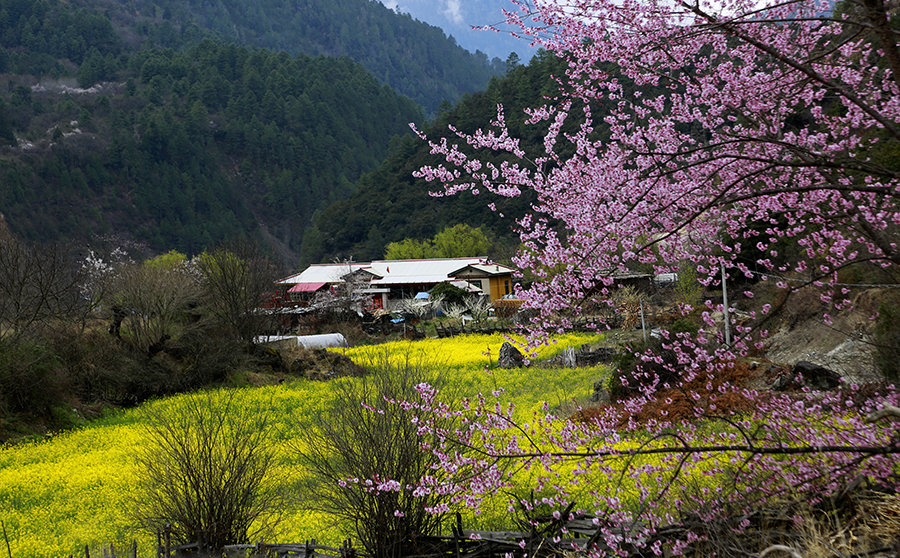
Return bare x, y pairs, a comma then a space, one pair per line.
725, 312
643, 323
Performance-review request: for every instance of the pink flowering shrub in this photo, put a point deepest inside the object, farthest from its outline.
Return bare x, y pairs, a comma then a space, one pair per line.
740, 140
364, 451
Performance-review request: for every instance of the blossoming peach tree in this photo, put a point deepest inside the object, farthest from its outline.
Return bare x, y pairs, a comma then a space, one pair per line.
712, 132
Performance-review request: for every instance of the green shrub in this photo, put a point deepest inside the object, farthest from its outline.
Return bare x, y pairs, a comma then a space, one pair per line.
638, 374
31, 378
688, 289
684, 325
451, 293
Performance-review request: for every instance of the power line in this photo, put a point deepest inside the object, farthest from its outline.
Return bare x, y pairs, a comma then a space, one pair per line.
795, 280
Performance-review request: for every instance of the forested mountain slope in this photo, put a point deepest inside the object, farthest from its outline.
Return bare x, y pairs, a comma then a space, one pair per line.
186, 148
416, 59
390, 204
183, 147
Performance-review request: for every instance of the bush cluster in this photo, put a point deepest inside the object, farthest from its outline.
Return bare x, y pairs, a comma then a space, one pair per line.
77, 329
51, 369
31, 378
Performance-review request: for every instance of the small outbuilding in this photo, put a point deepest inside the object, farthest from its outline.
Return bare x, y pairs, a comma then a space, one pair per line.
494, 280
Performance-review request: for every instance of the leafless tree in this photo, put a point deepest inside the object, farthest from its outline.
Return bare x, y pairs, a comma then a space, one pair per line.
203, 470
349, 296
152, 299
456, 312
236, 280
479, 307
412, 306
37, 285
368, 432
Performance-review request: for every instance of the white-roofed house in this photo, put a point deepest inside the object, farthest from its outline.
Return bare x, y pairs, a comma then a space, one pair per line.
398, 279
386, 280
300, 288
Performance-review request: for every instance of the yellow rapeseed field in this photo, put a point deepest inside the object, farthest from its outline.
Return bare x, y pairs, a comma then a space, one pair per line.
74, 489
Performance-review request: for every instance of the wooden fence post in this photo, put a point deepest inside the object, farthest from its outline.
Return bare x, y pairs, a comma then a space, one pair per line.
458, 532
201, 540
347, 550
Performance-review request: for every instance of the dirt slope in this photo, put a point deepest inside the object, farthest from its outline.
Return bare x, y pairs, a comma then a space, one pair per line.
845, 346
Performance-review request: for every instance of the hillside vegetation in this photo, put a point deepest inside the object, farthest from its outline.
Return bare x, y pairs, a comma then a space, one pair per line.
147, 121
191, 147
415, 59
391, 204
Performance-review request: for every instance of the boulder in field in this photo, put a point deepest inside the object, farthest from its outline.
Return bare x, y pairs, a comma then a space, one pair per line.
510, 357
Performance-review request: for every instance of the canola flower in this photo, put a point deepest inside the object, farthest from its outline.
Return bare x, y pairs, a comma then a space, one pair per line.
468, 363
60, 495
74, 489
460, 352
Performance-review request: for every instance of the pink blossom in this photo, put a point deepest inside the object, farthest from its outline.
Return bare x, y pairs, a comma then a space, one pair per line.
707, 167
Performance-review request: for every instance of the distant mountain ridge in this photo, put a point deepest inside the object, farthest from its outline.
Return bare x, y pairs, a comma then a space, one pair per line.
414, 58
458, 17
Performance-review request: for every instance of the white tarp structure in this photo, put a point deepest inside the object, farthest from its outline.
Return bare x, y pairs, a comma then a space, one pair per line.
322, 341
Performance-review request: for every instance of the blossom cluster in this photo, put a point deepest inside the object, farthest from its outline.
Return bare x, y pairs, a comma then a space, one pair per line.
738, 139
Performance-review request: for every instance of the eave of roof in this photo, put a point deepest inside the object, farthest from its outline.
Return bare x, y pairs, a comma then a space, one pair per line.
306, 287
489, 270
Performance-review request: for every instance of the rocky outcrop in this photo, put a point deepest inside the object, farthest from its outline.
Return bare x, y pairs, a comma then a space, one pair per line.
510, 357
807, 374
